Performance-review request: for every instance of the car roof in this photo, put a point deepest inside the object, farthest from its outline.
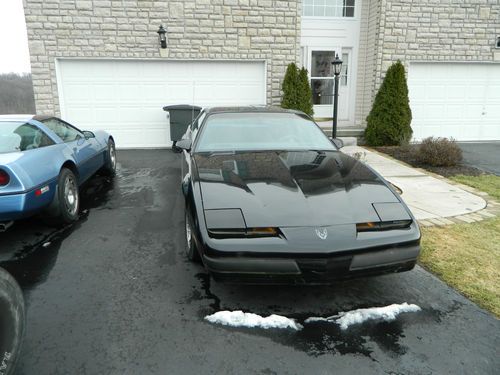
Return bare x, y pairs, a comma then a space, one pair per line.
251, 109
24, 118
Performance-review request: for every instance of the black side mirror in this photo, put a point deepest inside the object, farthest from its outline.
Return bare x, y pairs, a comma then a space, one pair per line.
337, 142
183, 144
88, 134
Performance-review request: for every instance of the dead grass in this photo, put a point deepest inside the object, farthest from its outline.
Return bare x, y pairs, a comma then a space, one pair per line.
467, 256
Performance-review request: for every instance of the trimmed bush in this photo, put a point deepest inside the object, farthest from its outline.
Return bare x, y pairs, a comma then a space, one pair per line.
290, 98
388, 123
305, 103
439, 152
297, 92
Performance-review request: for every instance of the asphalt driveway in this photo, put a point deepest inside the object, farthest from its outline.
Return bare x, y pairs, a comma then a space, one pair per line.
484, 155
114, 294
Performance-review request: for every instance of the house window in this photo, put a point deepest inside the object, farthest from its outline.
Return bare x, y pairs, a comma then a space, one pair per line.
328, 8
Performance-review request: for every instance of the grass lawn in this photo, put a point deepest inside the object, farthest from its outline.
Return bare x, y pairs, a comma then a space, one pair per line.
467, 256
488, 183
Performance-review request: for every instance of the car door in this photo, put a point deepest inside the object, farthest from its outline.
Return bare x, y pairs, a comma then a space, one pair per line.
85, 151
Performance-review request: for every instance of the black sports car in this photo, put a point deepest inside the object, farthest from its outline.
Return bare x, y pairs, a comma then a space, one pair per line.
270, 198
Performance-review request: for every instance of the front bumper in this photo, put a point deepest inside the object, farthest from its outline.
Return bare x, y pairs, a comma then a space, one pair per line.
307, 270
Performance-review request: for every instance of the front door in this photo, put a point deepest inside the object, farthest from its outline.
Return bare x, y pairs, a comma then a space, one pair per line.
322, 82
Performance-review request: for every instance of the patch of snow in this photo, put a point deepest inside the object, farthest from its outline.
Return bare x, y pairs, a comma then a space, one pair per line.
242, 319
386, 313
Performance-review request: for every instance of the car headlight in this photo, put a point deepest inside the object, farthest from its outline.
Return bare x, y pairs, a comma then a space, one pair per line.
382, 225
244, 233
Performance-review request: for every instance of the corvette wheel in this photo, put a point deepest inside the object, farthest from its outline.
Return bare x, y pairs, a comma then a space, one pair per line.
110, 166
191, 250
66, 204
12, 322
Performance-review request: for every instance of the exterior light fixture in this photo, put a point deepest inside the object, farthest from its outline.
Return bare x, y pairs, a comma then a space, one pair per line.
337, 68
162, 36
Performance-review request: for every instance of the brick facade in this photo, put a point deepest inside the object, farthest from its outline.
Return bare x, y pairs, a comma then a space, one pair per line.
197, 29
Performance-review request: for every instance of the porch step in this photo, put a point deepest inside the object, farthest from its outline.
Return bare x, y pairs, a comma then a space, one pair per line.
349, 141
345, 132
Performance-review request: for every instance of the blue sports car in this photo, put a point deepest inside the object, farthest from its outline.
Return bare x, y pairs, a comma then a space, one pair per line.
43, 162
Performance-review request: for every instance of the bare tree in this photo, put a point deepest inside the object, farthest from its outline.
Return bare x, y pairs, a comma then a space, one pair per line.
16, 94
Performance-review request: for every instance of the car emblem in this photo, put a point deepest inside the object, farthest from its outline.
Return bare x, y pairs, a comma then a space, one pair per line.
321, 233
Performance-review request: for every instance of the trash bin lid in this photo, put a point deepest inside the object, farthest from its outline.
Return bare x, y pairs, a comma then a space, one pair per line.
181, 106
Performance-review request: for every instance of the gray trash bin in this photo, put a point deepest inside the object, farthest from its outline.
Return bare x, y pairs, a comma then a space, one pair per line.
181, 116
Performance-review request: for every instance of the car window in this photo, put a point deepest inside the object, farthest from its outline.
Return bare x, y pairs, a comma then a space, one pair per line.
19, 136
64, 131
261, 131
196, 125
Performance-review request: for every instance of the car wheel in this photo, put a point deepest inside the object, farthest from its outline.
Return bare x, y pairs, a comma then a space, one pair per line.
110, 165
66, 204
191, 250
12, 322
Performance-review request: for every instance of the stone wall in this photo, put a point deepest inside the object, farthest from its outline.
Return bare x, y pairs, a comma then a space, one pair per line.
430, 30
197, 29
369, 39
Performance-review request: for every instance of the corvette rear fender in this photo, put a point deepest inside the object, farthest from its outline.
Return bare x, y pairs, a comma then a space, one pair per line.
71, 166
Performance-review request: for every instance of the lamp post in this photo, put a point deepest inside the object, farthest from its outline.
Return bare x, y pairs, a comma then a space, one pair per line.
162, 36
337, 68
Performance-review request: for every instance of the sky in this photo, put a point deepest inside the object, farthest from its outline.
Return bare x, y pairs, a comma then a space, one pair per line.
14, 56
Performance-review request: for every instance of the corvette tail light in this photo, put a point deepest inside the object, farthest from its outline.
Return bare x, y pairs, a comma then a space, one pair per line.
245, 233
383, 225
4, 178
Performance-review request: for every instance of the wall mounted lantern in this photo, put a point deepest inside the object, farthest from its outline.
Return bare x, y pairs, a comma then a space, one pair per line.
162, 36
337, 68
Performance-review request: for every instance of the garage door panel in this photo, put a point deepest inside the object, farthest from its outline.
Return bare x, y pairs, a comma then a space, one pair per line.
126, 97
459, 100
77, 92
84, 116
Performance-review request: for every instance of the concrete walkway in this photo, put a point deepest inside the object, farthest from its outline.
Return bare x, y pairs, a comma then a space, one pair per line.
433, 200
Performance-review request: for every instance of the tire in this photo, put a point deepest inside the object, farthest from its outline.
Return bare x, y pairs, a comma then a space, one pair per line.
12, 322
109, 167
65, 207
190, 245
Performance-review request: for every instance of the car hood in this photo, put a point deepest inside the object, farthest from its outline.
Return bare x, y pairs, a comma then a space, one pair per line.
291, 189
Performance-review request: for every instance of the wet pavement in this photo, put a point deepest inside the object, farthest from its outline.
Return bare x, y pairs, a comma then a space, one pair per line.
482, 155
114, 294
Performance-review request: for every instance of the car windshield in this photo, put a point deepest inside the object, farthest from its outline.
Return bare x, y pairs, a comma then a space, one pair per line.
20, 136
261, 131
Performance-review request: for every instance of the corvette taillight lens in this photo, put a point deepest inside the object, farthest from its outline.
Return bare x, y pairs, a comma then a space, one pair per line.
4, 178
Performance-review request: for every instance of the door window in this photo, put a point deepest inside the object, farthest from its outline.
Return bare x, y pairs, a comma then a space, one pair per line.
345, 70
322, 76
66, 132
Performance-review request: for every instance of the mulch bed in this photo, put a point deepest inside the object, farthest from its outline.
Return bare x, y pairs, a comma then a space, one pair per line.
407, 154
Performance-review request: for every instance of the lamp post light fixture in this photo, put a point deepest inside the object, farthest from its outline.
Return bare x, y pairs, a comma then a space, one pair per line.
162, 36
337, 68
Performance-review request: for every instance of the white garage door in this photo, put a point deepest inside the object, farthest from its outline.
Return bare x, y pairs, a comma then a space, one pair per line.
126, 97
459, 100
